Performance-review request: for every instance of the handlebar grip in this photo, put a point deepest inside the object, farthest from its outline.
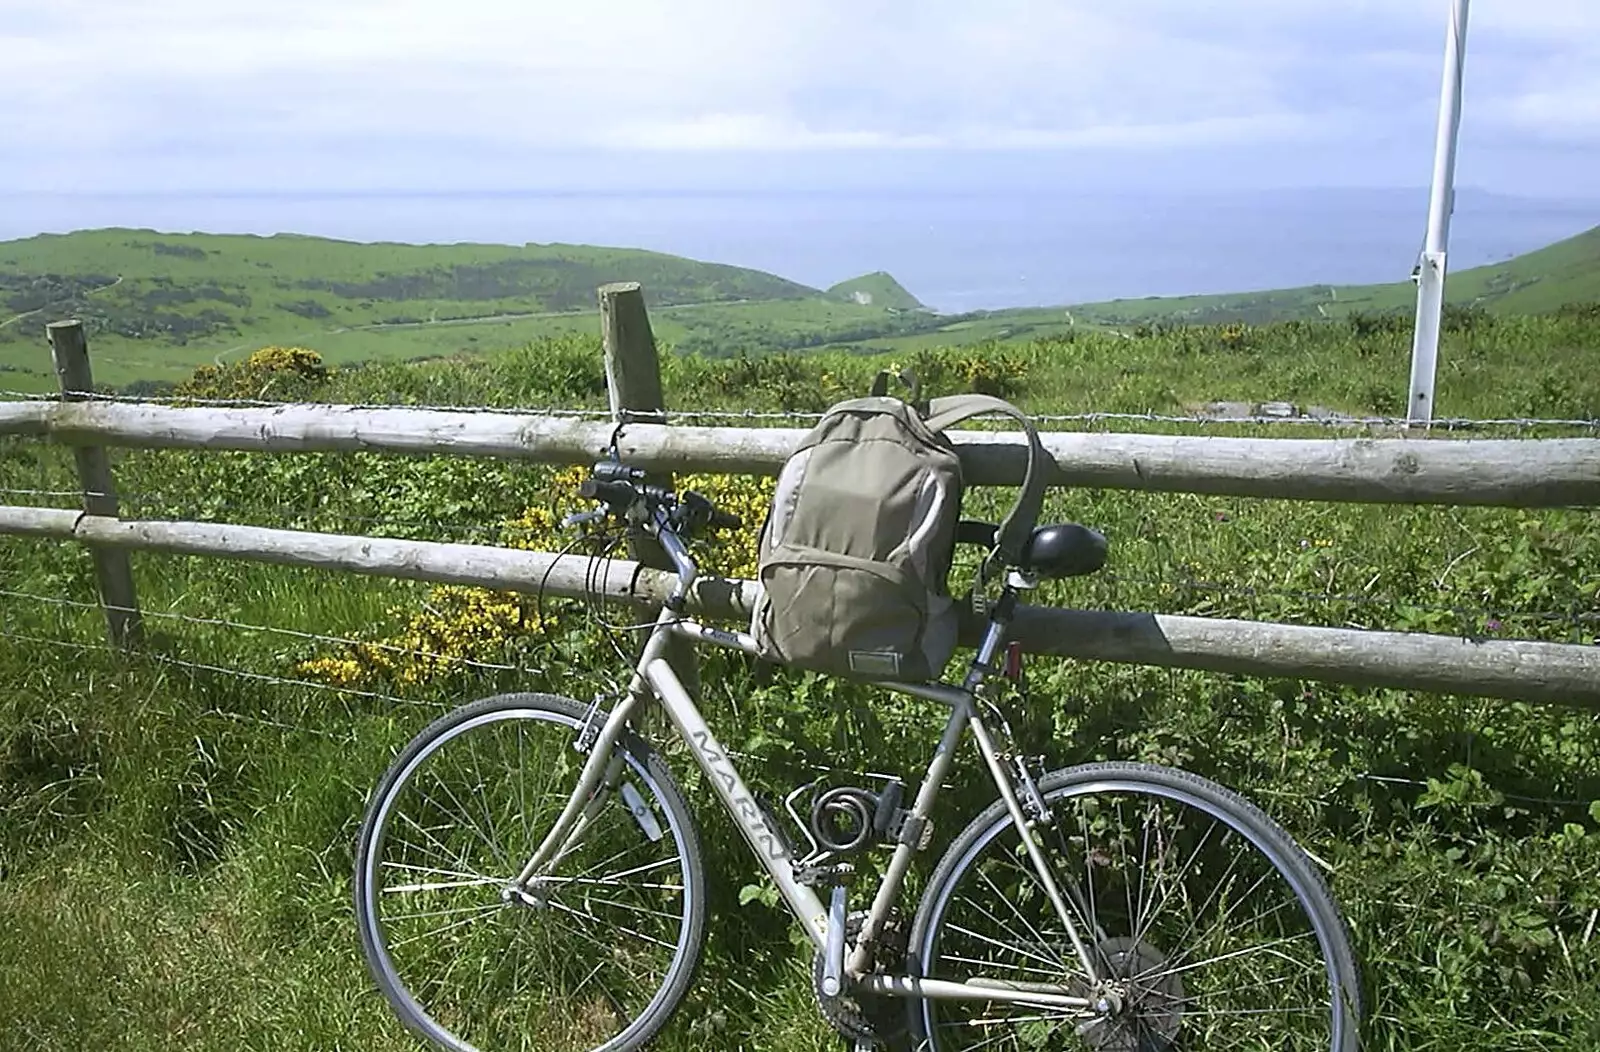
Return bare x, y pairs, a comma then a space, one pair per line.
725, 520
619, 495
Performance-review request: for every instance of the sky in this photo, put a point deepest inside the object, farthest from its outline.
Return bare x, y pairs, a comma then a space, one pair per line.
250, 96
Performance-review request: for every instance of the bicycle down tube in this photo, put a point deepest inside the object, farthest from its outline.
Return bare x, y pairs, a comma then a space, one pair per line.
770, 846
654, 676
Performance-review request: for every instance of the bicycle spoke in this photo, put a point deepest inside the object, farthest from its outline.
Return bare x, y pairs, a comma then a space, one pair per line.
464, 880
633, 909
1234, 955
446, 912
999, 964
619, 927
984, 876
1141, 931
472, 825
436, 931
1208, 940
585, 956
483, 799
996, 942
459, 861
1221, 922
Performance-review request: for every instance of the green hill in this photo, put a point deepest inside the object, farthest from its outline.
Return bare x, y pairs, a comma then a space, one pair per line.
138, 283
878, 289
1534, 283
159, 304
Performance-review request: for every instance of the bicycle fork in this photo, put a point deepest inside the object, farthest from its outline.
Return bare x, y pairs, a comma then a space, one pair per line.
601, 773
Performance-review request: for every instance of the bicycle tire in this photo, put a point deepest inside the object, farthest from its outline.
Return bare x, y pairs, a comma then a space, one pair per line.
502, 937
1165, 993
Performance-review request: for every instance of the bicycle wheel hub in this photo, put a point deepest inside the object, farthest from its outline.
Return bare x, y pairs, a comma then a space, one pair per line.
511, 894
1139, 1001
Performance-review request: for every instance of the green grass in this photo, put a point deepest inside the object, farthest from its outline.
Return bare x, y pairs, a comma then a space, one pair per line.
175, 843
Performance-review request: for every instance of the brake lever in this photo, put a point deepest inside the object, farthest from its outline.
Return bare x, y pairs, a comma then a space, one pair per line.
578, 518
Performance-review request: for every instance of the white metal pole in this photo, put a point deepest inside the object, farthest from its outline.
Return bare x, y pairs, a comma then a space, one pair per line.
1431, 270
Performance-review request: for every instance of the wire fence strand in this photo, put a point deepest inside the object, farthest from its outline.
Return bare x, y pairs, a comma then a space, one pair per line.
317, 637
1578, 619
219, 669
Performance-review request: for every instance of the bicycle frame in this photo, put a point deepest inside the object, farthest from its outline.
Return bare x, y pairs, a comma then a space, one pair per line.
654, 678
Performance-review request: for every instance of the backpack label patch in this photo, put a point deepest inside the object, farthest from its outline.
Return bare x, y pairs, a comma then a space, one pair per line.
879, 664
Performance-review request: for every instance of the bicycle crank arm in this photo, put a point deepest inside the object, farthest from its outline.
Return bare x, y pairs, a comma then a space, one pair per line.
833, 951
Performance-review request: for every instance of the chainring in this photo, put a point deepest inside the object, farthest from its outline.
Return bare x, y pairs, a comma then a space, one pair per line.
867, 1018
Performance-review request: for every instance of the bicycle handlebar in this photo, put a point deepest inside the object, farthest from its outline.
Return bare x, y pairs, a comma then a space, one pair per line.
620, 494
620, 487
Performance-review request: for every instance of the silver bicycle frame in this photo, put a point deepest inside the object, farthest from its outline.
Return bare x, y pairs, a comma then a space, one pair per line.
654, 678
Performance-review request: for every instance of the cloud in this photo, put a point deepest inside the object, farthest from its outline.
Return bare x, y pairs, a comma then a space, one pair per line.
188, 92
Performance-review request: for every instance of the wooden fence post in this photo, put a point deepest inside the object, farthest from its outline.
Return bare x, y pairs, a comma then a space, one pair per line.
633, 381
70, 350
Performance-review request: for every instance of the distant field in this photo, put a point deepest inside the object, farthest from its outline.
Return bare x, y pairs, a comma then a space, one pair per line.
159, 305
1536, 283
719, 329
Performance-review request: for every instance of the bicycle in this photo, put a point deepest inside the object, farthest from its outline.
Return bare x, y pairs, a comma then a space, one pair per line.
528, 874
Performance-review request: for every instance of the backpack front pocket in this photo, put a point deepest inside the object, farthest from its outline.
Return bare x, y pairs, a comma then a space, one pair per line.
842, 615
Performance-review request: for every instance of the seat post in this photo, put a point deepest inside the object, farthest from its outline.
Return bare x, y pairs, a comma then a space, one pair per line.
994, 638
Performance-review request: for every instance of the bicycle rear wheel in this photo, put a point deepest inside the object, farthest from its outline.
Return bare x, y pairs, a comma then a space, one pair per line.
594, 957
1208, 927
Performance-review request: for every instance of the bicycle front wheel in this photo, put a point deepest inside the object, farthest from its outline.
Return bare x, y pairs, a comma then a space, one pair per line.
594, 957
1207, 927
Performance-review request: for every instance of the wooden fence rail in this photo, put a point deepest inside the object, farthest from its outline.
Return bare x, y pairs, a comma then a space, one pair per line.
1414, 470
1548, 672
1495, 472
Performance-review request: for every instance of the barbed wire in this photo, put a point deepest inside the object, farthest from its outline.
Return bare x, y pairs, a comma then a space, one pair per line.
51, 492
291, 511
1547, 801
219, 622
220, 669
1323, 421
184, 401
1486, 614
1306, 595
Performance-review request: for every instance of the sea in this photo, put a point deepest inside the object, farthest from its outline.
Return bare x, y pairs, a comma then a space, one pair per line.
954, 250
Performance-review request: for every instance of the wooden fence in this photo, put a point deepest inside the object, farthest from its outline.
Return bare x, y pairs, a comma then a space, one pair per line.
1513, 473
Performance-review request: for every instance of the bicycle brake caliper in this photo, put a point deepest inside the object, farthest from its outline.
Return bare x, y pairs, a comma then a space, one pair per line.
589, 730
1032, 801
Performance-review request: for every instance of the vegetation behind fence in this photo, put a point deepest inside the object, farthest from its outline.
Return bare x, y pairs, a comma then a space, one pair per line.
176, 825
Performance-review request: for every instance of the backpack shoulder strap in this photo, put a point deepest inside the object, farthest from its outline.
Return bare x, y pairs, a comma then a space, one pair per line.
1014, 531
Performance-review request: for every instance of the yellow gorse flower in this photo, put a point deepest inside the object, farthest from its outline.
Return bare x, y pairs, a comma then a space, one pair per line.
456, 624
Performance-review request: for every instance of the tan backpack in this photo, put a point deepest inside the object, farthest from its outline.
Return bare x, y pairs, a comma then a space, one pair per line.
856, 550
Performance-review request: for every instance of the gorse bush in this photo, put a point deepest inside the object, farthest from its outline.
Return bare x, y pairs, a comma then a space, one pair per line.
271, 373
454, 626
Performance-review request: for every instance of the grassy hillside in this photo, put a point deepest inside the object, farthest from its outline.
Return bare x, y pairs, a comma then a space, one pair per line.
878, 289
157, 305
1537, 282
176, 828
